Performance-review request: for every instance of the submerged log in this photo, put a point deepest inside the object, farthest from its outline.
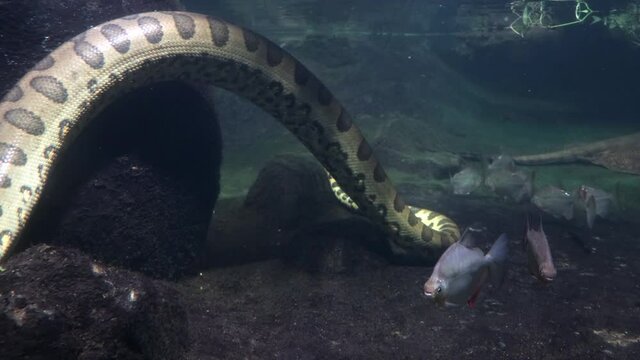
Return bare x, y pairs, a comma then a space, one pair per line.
618, 154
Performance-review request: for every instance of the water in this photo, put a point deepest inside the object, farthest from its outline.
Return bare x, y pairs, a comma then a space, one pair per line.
284, 271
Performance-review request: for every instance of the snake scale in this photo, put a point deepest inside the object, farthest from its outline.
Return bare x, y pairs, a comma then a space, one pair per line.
55, 100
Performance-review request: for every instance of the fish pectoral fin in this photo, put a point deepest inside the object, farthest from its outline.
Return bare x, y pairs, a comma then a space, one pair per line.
472, 300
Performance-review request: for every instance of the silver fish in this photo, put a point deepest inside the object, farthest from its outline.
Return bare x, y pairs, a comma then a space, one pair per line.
584, 207
517, 185
502, 162
554, 201
604, 202
463, 270
538, 254
466, 181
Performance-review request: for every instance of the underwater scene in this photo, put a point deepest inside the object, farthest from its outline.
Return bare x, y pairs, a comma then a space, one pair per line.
319, 179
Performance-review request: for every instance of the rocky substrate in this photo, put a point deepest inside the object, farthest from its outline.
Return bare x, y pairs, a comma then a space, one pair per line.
57, 303
328, 291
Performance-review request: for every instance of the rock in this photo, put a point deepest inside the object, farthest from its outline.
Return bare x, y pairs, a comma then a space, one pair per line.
57, 303
137, 187
291, 211
337, 244
290, 190
429, 165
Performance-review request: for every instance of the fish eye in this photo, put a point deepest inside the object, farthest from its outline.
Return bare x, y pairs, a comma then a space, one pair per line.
439, 289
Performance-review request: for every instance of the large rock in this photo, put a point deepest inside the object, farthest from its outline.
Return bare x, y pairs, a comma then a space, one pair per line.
137, 187
57, 303
290, 211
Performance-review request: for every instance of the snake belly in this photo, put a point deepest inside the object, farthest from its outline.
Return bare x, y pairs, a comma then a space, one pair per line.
55, 100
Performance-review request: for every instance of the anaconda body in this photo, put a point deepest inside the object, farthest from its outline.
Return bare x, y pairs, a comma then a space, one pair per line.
47, 108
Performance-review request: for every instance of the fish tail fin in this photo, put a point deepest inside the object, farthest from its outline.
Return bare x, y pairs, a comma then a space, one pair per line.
590, 207
497, 258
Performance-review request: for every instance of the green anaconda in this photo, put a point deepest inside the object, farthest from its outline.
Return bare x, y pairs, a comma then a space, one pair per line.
47, 108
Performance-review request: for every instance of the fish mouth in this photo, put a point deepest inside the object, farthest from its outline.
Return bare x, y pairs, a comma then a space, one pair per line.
428, 294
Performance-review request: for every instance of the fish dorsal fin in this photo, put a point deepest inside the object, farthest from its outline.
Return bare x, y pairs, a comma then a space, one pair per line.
468, 238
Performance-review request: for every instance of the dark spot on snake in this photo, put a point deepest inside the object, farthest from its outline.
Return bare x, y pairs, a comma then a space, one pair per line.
185, 24
304, 110
40, 168
274, 54
413, 219
450, 229
91, 85
301, 74
276, 88
276, 113
151, 28
14, 94
88, 53
50, 87
382, 210
317, 127
426, 234
20, 218
445, 242
344, 122
5, 182
83, 105
379, 174
443, 221
65, 125
44, 64
26, 189
12, 154
117, 37
398, 203
289, 101
364, 151
219, 31
251, 40
48, 151
0, 215
395, 229
324, 95
25, 120
431, 215
359, 184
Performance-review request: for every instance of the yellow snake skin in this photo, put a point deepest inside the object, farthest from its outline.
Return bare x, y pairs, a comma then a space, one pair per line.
47, 108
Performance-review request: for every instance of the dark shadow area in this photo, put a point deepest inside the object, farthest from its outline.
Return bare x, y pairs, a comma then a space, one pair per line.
137, 187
